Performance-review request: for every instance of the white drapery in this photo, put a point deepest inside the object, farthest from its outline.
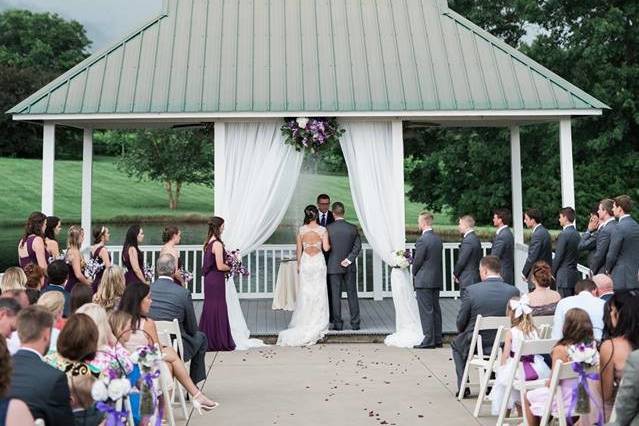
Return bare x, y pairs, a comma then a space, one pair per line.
253, 191
375, 159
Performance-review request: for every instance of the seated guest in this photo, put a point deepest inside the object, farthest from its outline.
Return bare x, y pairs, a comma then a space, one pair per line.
12, 411
586, 299
111, 288
58, 272
33, 296
77, 343
577, 329
13, 278
171, 301
136, 301
623, 320
82, 403
9, 309
35, 276
120, 323
604, 286
19, 295
42, 387
543, 300
80, 295
53, 301
627, 402
487, 298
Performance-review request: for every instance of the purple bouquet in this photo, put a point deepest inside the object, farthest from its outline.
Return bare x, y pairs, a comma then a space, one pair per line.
311, 133
403, 258
234, 261
92, 267
149, 274
186, 275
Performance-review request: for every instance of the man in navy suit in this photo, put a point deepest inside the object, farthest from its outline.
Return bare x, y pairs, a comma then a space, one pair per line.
564, 265
540, 247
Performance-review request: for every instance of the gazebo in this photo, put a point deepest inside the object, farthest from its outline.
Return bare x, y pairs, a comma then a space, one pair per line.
241, 61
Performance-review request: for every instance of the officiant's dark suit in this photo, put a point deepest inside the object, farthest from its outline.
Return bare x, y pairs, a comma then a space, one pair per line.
345, 244
427, 273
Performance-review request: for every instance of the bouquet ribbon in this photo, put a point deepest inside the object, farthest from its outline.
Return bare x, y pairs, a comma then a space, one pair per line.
114, 417
582, 381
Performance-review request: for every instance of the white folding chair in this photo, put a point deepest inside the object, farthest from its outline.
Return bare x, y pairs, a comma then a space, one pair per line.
479, 360
171, 329
494, 360
544, 325
561, 371
517, 379
167, 401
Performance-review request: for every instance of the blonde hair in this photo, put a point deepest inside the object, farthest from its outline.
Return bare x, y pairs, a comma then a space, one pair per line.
73, 237
524, 322
101, 320
111, 287
427, 217
120, 322
52, 301
468, 220
13, 278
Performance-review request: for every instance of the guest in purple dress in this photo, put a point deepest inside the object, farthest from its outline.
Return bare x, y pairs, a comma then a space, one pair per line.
74, 258
214, 321
171, 237
132, 256
99, 253
31, 248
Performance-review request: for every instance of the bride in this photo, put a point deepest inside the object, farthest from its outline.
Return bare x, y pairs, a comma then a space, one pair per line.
310, 318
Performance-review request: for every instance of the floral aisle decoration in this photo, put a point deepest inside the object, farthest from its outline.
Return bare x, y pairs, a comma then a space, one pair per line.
234, 260
311, 134
402, 258
584, 357
148, 358
110, 393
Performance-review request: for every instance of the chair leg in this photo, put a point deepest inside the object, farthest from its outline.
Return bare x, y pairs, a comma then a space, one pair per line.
464, 379
483, 385
504, 405
183, 401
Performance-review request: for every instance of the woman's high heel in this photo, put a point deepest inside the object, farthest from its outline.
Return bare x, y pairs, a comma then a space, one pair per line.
199, 406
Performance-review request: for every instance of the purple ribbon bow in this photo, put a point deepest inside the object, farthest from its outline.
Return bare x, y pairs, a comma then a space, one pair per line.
114, 417
527, 362
148, 380
582, 380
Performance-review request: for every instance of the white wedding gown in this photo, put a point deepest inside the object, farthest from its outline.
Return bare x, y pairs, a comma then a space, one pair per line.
239, 330
408, 326
310, 318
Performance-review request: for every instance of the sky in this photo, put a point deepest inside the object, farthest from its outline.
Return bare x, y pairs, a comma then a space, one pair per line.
104, 20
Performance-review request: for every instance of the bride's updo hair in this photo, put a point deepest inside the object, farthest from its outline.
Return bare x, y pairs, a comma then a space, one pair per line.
310, 214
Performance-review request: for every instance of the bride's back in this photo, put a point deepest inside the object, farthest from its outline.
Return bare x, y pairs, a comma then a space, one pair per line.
311, 237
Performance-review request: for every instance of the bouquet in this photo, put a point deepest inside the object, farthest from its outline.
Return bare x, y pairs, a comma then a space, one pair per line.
61, 256
149, 274
402, 258
311, 133
186, 275
109, 393
584, 356
92, 267
148, 359
234, 260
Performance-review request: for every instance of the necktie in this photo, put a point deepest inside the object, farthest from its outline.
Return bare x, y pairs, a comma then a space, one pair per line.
323, 221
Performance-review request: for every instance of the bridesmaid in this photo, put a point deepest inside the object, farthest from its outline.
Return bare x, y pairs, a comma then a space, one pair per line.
132, 256
171, 237
51, 233
74, 258
31, 248
99, 253
214, 321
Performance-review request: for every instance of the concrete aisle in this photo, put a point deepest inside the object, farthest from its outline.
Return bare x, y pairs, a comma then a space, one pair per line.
355, 384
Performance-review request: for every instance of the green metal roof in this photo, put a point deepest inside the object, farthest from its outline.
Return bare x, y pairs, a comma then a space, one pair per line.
213, 56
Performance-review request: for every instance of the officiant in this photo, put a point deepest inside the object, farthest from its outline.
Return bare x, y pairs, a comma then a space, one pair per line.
324, 219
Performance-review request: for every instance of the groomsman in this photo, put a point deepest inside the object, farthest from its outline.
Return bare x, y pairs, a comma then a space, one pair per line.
622, 261
466, 271
564, 265
589, 238
324, 219
504, 244
540, 247
428, 279
607, 229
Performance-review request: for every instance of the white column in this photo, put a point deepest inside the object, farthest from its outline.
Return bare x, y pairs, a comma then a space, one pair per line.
48, 159
518, 213
567, 172
87, 184
219, 154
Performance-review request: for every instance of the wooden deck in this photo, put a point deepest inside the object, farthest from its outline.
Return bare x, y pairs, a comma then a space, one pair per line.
377, 317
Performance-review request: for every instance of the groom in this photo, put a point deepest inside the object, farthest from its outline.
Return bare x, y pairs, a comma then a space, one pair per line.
341, 267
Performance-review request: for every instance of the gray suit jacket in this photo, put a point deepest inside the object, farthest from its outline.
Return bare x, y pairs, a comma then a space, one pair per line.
622, 260
345, 244
627, 402
467, 266
604, 236
488, 299
540, 248
504, 249
174, 301
588, 243
564, 265
427, 261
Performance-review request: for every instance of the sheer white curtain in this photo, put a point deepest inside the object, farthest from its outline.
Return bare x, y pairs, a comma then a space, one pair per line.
255, 188
375, 162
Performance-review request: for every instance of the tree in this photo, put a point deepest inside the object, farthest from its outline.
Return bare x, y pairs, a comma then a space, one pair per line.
173, 157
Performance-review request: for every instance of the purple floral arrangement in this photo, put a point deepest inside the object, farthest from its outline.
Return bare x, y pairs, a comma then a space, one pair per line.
403, 258
234, 260
149, 273
186, 275
311, 133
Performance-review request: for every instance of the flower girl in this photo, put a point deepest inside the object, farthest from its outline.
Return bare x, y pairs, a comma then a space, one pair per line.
522, 328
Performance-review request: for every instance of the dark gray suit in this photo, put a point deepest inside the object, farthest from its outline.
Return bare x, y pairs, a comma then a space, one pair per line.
589, 243
564, 265
604, 236
428, 278
488, 299
170, 301
626, 403
43, 388
504, 249
345, 244
540, 248
622, 261
467, 266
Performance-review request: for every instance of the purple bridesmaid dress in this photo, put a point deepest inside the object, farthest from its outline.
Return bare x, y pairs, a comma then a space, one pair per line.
129, 276
98, 276
31, 255
214, 321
